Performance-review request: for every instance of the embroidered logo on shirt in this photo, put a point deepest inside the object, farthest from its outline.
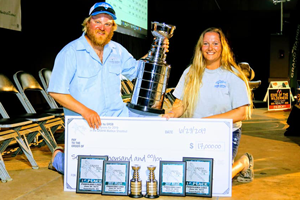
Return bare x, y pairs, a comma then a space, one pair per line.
114, 61
220, 84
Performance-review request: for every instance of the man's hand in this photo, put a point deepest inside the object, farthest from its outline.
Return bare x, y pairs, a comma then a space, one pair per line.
166, 44
67, 101
92, 118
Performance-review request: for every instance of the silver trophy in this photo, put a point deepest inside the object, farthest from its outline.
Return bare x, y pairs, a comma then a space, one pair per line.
151, 83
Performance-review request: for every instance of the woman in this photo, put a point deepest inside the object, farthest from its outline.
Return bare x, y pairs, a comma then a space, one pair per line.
213, 86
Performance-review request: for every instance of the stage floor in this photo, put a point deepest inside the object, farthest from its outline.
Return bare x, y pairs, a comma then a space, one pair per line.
276, 167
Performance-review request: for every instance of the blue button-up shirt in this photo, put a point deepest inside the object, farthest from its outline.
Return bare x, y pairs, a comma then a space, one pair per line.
79, 72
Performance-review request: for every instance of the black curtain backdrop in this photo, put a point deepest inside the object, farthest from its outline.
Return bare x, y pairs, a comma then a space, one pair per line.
48, 26
46, 30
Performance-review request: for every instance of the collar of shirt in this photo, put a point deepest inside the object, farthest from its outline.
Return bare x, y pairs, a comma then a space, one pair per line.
85, 46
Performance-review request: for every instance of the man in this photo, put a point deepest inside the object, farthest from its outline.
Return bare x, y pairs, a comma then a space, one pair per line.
87, 70
86, 75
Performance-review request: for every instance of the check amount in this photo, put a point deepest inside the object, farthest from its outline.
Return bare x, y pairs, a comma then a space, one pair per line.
207, 146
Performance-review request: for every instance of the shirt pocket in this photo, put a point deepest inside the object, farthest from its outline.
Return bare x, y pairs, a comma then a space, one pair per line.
87, 78
114, 78
114, 69
114, 64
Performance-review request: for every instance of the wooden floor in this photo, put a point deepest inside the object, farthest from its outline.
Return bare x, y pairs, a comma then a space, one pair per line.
277, 167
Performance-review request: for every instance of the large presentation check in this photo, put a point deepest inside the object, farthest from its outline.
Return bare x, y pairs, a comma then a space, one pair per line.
146, 141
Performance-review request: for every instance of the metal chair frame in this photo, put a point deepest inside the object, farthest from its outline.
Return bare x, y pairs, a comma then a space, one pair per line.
44, 75
44, 120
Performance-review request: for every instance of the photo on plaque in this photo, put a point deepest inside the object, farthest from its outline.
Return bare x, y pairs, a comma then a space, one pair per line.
89, 174
115, 177
199, 176
172, 178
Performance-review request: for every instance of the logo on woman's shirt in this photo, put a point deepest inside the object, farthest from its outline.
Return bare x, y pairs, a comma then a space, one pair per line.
220, 84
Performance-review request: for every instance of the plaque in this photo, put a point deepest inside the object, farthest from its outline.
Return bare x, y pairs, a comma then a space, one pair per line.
89, 174
199, 176
115, 177
172, 178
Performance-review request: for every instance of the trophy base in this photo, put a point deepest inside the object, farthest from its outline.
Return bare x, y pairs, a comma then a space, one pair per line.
151, 196
135, 196
145, 109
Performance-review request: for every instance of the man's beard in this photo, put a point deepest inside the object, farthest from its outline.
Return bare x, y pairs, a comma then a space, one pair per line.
99, 41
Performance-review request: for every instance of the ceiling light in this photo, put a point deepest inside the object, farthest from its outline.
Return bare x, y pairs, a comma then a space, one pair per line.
279, 1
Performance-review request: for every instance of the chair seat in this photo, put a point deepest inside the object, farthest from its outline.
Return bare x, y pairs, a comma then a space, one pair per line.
54, 111
11, 123
35, 117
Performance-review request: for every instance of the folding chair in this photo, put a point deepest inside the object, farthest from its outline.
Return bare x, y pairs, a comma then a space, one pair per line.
5, 139
31, 91
12, 129
16, 106
126, 86
45, 75
28, 85
126, 89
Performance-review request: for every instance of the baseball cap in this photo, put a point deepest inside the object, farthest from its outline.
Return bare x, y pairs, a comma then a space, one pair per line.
103, 7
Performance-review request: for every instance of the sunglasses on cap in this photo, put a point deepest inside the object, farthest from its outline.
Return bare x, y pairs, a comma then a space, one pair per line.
103, 9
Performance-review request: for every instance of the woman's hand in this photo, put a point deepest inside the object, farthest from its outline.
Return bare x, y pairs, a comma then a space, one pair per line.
169, 115
177, 110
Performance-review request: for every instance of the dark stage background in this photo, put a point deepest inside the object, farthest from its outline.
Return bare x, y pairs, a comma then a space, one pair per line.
47, 26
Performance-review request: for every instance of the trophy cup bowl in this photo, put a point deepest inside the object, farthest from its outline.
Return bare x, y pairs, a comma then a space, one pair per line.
162, 30
152, 80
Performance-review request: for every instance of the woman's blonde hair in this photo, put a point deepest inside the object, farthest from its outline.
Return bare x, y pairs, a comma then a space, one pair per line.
86, 20
193, 79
